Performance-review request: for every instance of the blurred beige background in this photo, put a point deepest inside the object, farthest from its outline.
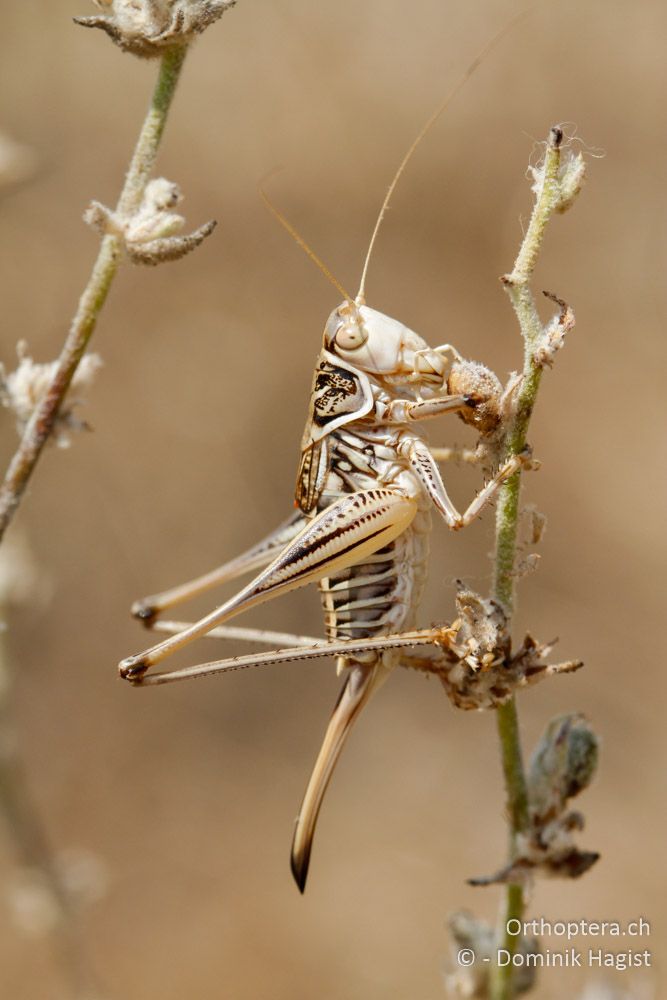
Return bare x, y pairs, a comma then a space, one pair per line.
187, 794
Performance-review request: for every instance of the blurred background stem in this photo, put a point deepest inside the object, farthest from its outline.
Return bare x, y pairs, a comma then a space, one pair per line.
31, 845
95, 293
25, 828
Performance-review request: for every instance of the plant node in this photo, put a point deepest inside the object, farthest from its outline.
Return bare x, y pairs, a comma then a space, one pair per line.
147, 27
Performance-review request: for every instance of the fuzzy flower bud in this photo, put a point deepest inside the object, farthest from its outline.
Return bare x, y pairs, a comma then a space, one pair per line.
23, 389
148, 234
569, 181
146, 27
155, 218
571, 178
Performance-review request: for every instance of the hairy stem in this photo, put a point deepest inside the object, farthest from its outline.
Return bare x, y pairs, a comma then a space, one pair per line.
507, 524
104, 270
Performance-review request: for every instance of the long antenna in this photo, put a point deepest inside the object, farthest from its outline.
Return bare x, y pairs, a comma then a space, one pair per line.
481, 55
296, 236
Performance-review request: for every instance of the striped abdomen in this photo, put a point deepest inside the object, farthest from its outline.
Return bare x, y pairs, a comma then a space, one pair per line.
379, 595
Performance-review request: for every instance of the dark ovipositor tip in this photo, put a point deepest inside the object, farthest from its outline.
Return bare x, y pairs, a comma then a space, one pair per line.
299, 866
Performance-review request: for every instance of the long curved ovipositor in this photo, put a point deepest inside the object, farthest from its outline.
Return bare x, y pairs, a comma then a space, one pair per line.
361, 682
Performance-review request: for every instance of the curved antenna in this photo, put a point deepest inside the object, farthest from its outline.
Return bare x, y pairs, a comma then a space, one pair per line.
428, 125
296, 236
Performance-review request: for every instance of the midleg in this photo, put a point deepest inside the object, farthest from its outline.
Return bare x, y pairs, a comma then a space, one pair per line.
148, 608
478, 503
266, 637
469, 455
425, 467
351, 528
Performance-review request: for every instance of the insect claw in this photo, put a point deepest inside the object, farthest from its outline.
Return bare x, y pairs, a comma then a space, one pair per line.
132, 669
146, 613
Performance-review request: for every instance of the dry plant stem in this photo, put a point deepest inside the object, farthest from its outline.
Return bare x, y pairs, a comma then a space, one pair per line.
94, 295
507, 522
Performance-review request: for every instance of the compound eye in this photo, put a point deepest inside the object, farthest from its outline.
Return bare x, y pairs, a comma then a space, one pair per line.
330, 329
350, 337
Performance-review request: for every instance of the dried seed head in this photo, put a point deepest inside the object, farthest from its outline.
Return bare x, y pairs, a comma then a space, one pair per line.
469, 378
563, 764
483, 626
146, 27
24, 388
475, 661
476, 936
467, 933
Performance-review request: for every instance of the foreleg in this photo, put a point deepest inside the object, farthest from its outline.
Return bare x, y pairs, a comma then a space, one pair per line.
404, 411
